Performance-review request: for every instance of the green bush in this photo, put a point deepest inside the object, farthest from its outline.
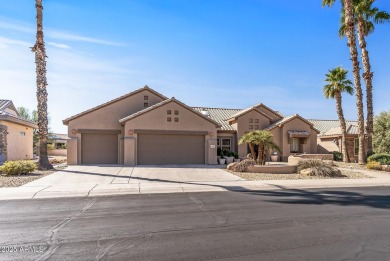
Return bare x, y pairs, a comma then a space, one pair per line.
50, 146
374, 165
318, 168
17, 167
383, 158
337, 156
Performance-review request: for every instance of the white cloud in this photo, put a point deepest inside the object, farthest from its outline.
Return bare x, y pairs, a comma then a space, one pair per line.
55, 34
59, 45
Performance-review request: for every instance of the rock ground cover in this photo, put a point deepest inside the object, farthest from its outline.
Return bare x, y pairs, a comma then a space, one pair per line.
19, 180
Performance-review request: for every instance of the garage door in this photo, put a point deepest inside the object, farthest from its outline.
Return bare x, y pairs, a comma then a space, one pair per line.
99, 148
170, 149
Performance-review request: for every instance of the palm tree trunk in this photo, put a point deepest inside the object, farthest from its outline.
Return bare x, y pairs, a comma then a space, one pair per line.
40, 61
351, 36
252, 149
260, 154
340, 114
367, 76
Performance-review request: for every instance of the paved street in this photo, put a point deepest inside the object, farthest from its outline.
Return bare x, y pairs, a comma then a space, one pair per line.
326, 224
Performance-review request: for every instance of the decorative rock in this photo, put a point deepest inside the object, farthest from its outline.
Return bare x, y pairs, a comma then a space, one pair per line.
231, 165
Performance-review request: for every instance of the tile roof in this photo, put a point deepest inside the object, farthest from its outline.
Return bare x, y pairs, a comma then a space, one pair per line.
241, 112
17, 119
281, 121
298, 132
332, 127
219, 115
57, 136
4, 104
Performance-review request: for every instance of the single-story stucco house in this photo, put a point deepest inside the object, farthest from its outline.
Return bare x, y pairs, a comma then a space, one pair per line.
145, 127
330, 138
16, 134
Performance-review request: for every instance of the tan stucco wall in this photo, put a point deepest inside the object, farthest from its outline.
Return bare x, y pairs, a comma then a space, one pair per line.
326, 145
18, 147
107, 118
157, 120
271, 114
243, 126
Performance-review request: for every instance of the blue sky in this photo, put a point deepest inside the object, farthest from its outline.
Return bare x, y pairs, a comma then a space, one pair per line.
211, 53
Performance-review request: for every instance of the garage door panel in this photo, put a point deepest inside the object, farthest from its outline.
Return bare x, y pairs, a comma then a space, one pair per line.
170, 149
99, 148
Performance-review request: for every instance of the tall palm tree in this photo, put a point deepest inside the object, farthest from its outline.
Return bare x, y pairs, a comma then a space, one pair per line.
248, 138
350, 32
337, 84
365, 17
40, 61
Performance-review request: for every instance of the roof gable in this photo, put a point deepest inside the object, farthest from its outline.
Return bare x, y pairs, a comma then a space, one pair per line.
245, 111
114, 101
285, 120
8, 104
158, 105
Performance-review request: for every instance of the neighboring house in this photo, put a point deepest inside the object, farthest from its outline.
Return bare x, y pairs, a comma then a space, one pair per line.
330, 138
58, 140
145, 127
16, 134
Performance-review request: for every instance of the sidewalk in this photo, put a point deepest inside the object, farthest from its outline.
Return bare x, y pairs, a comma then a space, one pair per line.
94, 189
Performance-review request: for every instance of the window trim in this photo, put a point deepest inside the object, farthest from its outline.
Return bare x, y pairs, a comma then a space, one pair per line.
219, 143
356, 148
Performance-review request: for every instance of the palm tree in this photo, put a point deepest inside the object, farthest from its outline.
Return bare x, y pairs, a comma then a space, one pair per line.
248, 138
365, 17
351, 36
261, 138
337, 84
40, 61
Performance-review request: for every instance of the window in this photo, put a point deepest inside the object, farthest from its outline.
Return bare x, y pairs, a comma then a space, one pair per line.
256, 120
176, 112
224, 143
169, 112
146, 97
176, 119
250, 120
169, 119
251, 127
295, 145
256, 127
22, 133
146, 104
356, 147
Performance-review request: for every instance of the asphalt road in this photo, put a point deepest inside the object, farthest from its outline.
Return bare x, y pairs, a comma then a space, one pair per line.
332, 224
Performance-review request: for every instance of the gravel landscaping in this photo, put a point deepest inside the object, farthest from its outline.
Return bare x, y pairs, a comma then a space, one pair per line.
16, 181
268, 176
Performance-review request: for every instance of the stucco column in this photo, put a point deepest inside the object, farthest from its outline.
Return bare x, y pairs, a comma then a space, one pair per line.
72, 150
129, 144
212, 151
3, 143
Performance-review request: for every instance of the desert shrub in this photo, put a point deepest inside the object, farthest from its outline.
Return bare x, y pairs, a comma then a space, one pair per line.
17, 167
382, 158
337, 156
50, 146
316, 167
243, 165
374, 165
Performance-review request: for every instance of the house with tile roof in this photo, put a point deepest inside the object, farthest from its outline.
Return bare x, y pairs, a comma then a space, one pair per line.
16, 134
330, 137
146, 128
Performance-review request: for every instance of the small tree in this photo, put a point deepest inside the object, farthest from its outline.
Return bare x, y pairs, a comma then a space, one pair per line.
248, 138
381, 138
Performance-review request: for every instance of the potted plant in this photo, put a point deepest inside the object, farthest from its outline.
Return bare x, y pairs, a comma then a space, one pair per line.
230, 157
236, 159
222, 159
274, 157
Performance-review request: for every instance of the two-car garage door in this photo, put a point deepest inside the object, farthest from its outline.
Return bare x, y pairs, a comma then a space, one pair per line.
152, 149
170, 149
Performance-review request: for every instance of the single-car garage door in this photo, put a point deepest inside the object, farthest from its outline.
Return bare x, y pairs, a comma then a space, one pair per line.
99, 148
170, 149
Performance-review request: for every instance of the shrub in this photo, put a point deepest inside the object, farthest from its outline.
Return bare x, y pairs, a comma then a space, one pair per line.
243, 165
17, 167
50, 146
337, 156
318, 168
382, 158
374, 165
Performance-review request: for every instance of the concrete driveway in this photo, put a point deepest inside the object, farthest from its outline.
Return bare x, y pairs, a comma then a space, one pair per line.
114, 174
